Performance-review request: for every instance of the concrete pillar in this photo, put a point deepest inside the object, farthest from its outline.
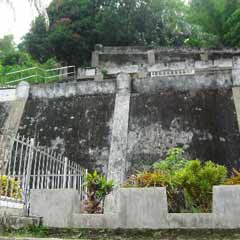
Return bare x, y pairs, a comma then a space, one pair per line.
236, 99
204, 56
17, 107
13, 120
118, 150
151, 57
95, 55
99, 76
236, 86
236, 72
95, 59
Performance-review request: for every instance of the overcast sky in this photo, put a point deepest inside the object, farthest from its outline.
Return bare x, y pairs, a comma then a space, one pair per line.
20, 24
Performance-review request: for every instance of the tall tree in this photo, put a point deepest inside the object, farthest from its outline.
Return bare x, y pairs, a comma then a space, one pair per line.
76, 26
212, 16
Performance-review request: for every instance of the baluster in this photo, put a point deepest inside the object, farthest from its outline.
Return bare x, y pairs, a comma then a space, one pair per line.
47, 166
39, 169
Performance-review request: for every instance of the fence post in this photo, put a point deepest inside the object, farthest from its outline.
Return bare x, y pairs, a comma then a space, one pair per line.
65, 172
86, 188
28, 176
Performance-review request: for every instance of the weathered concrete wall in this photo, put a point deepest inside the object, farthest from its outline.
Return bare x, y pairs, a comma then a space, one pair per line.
108, 57
14, 222
147, 209
56, 206
69, 89
80, 126
203, 122
4, 111
140, 208
200, 80
195, 112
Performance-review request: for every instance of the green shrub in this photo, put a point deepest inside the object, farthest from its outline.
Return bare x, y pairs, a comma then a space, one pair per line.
189, 183
197, 181
104, 73
10, 187
173, 162
97, 189
148, 179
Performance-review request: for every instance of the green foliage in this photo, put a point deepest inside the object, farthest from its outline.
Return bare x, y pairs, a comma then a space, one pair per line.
189, 183
104, 73
13, 59
173, 162
10, 187
148, 179
36, 42
197, 180
97, 189
76, 26
232, 28
98, 184
219, 18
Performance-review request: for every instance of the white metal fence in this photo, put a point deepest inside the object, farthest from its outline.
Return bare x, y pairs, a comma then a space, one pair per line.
172, 72
26, 165
39, 75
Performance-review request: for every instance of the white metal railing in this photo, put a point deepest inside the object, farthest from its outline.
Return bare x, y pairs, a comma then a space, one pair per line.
175, 72
40, 75
27, 166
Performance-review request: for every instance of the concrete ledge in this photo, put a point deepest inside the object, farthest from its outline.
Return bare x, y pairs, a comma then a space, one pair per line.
191, 221
73, 89
17, 222
11, 211
97, 220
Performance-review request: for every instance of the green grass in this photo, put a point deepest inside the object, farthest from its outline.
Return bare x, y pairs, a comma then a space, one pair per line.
43, 232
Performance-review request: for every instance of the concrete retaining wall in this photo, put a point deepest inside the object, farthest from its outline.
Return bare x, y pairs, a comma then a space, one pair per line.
140, 208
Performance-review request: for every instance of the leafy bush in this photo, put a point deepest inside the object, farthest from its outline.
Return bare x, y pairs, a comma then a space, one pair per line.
97, 189
235, 179
173, 162
188, 182
10, 187
148, 179
197, 180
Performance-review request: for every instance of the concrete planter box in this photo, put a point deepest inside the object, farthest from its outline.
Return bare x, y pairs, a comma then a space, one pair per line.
8, 202
144, 208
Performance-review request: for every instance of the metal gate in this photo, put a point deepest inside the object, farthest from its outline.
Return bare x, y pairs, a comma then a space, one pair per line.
26, 165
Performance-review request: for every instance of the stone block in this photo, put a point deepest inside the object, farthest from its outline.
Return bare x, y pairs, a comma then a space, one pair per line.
55, 206
143, 207
123, 83
22, 90
151, 57
226, 206
236, 71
